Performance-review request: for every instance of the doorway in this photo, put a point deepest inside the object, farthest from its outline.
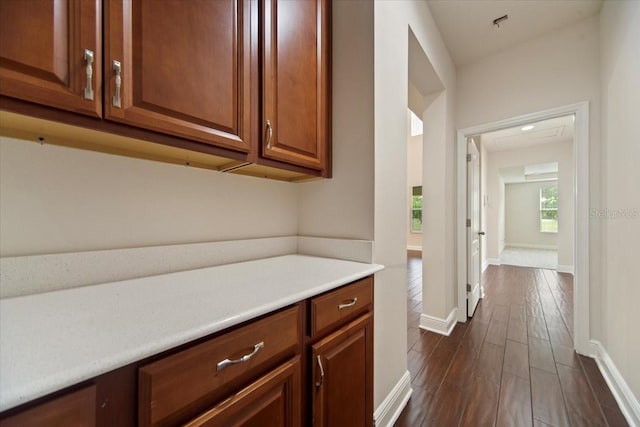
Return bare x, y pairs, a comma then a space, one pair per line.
580, 227
528, 196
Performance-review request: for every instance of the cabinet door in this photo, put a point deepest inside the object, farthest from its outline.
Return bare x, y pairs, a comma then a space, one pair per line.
342, 378
77, 408
271, 401
50, 53
296, 82
184, 68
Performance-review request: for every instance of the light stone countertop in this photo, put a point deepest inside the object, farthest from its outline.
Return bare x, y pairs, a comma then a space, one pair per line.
53, 340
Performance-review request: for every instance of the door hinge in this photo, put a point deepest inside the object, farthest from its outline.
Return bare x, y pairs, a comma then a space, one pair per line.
468, 157
468, 287
468, 223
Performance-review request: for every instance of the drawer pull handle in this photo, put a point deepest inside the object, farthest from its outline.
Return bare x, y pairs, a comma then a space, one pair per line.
88, 90
226, 362
348, 304
319, 383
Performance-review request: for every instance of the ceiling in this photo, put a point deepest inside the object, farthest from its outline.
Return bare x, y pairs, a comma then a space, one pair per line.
543, 132
468, 31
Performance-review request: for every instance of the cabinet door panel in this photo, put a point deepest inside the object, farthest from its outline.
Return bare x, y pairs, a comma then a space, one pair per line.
296, 73
343, 377
77, 408
271, 401
42, 59
186, 68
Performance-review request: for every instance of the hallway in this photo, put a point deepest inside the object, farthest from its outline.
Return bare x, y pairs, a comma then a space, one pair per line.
512, 365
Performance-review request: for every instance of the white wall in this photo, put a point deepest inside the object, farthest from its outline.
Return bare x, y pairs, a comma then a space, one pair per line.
620, 63
559, 68
495, 211
522, 216
57, 199
414, 178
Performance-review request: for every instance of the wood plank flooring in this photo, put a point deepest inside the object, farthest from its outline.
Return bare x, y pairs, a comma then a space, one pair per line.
513, 364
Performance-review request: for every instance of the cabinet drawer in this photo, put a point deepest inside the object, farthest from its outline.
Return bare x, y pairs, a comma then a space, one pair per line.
169, 386
337, 307
73, 409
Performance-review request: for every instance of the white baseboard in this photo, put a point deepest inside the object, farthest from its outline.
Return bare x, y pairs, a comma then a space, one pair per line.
414, 248
391, 407
565, 269
530, 246
485, 264
437, 325
493, 261
628, 403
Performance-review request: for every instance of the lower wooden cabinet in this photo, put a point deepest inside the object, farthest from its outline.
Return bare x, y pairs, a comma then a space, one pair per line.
342, 369
309, 364
77, 408
271, 401
181, 384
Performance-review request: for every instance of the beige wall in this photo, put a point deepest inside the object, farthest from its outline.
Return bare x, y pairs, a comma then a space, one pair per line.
522, 216
57, 199
620, 31
557, 69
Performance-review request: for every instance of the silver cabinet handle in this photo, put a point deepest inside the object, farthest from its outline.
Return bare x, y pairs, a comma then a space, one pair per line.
226, 362
269, 134
348, 304
88, 90
117, 70
319, 383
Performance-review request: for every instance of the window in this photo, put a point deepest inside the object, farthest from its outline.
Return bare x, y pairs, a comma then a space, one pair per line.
416, 209
549, 210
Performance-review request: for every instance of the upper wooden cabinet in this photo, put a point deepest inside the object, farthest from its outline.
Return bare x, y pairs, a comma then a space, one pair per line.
247, 81
296, 73
183, 67
50, 53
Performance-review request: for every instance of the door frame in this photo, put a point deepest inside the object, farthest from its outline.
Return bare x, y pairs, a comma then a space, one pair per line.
581, 215
473, 229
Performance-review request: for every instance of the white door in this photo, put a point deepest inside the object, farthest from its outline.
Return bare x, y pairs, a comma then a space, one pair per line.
473, 227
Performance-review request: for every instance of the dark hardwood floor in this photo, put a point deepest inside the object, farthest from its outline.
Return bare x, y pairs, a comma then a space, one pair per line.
513, 364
